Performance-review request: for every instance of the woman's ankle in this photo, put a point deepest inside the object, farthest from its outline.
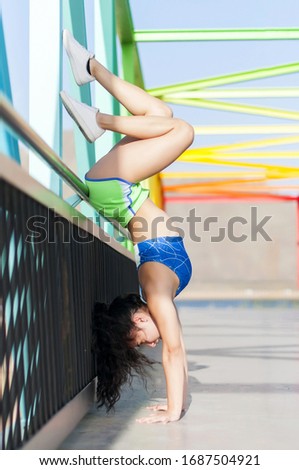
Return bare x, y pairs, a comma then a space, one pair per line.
91, 66
100, 119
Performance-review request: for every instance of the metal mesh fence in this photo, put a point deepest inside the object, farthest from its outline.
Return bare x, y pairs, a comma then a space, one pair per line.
51, 274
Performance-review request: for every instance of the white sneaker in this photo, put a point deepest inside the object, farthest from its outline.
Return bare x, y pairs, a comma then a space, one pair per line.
79, 58
84, 116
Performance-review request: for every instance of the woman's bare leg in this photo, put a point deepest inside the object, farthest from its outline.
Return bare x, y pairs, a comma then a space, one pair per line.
139, 127
137, 101
153, 138
136, 159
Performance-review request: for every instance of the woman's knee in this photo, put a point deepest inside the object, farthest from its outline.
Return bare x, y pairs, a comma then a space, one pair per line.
167, 111
186, 131
160, 109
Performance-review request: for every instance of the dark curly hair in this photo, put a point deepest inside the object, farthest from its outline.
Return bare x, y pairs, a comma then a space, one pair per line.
116, 358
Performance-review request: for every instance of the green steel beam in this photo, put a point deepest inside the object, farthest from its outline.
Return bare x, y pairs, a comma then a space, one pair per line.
216, 93
244, 34
107, 12
227, 79
105, 51
237, 108
131, 64
74, 20
132, 73
253, 129
124, 21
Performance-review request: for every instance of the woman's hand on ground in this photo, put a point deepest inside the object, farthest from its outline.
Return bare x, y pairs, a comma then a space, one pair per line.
162, 407
162, 418
157, 407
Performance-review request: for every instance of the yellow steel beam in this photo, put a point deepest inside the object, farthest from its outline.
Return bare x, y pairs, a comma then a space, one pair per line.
210, 174
253, 144
199, 153
272, 171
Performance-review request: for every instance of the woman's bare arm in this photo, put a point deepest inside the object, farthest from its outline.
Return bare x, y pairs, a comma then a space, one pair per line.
173, 357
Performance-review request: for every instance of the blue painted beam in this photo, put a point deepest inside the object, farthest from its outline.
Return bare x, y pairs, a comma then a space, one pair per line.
8, 144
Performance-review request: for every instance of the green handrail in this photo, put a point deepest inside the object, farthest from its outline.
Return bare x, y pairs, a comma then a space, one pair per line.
23, 130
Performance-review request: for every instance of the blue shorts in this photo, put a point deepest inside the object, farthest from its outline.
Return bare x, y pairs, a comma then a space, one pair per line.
169, 251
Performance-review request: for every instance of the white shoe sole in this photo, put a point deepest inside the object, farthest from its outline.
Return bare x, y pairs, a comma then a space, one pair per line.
81, 123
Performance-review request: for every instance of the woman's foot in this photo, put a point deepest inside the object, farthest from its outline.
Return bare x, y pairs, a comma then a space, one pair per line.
84, 116
79, 58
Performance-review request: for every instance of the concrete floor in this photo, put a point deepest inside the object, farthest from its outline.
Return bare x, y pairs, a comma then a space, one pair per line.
244, 387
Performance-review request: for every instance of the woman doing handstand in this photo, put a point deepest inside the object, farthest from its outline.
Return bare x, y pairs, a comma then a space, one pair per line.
153, 140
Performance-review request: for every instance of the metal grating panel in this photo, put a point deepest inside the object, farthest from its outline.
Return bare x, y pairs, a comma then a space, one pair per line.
49, 282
